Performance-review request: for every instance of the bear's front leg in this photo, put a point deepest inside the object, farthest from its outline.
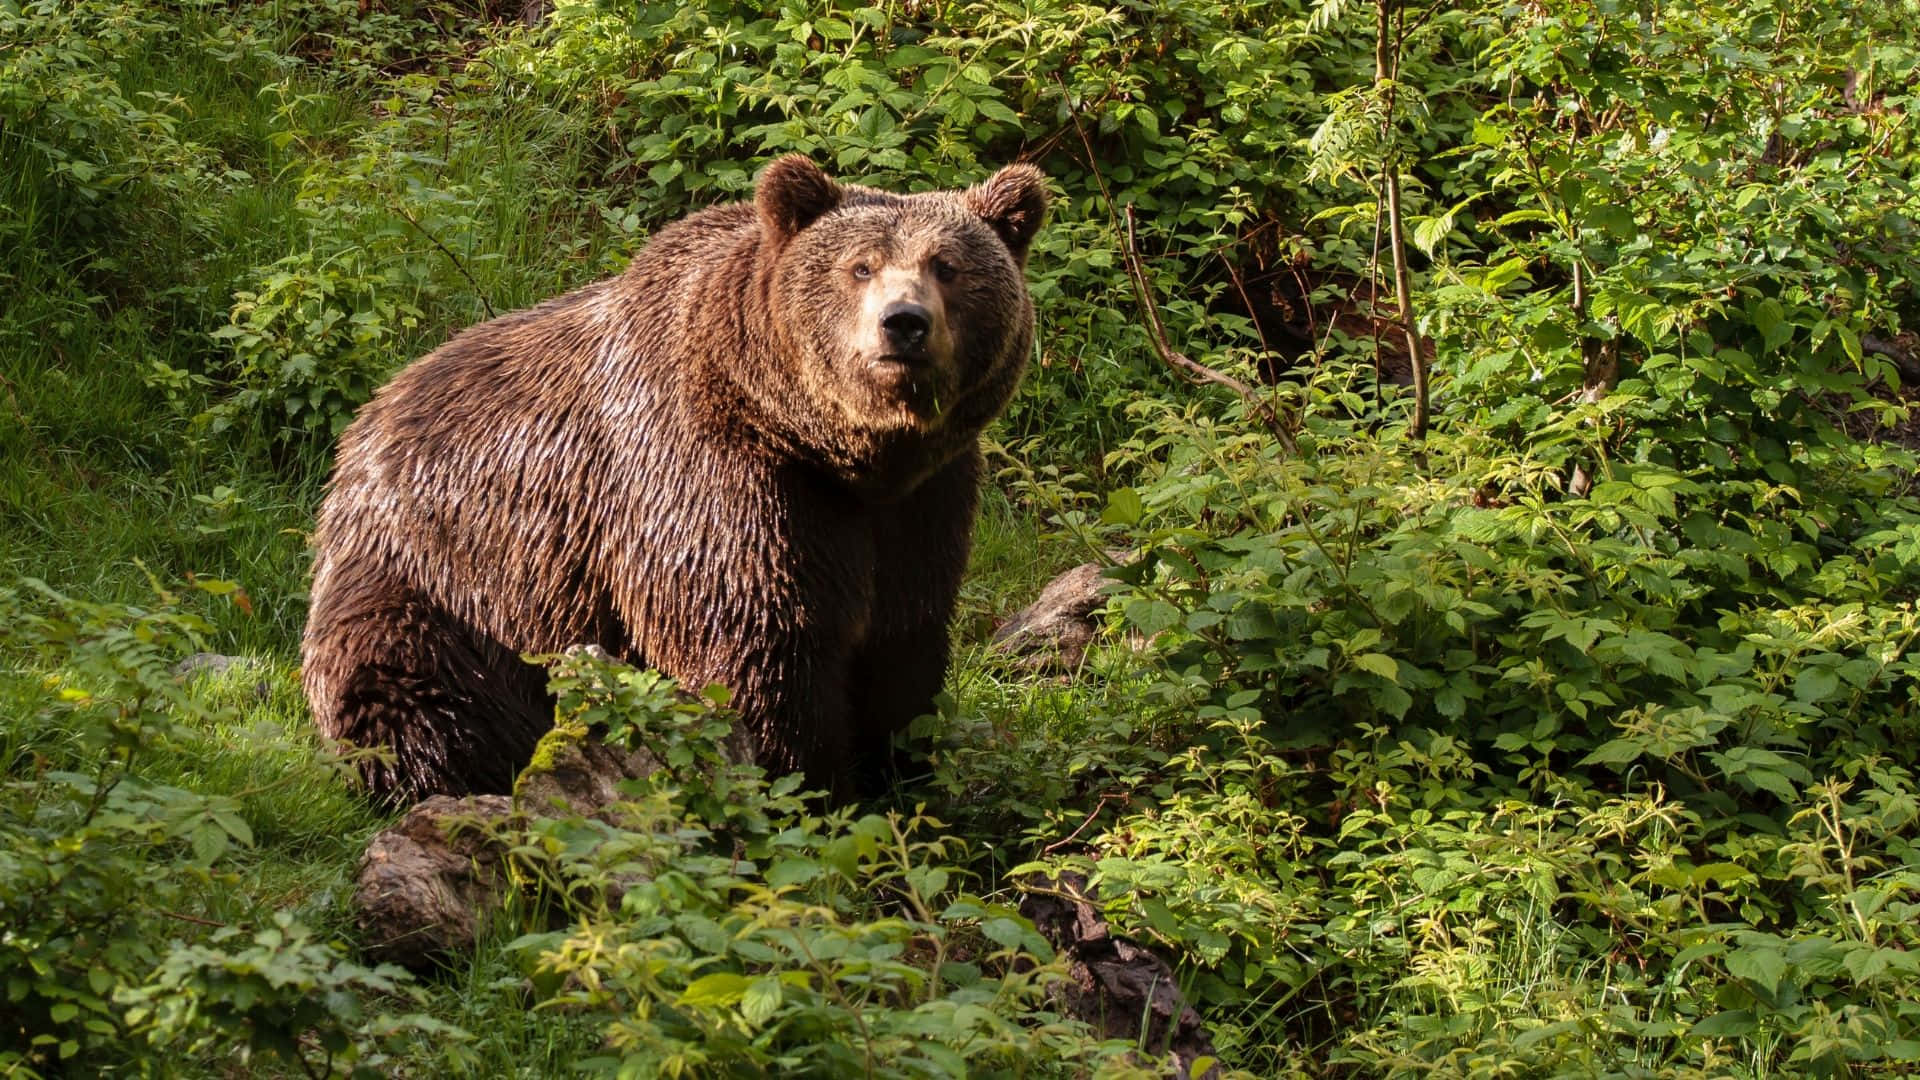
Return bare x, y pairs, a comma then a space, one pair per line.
771, 601
920, 551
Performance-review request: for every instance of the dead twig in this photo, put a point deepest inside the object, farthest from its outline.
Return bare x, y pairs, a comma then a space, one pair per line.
451, 257
1105, 798
1240, 287
1157, 331
184, 917
1386, 71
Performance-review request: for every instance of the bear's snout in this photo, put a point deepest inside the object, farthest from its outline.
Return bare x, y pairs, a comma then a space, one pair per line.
905, 325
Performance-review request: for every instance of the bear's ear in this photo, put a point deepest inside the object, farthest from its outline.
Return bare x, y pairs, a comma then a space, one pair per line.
1014, 202
792, 194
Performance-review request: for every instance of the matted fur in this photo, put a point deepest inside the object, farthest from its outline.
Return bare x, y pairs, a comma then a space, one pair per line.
704, 465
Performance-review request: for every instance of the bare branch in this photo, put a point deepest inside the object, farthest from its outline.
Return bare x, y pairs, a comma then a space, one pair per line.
1156, 330
1181, 362
451, 257
1386, 63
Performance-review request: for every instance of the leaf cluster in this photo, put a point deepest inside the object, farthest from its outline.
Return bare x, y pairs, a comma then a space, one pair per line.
717, 921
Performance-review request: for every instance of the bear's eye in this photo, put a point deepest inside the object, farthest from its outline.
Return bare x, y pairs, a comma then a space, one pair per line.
861, 271
945, 270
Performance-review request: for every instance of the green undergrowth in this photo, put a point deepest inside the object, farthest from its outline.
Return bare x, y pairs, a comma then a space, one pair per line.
1574, 738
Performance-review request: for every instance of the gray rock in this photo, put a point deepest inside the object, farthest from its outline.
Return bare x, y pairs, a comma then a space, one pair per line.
1055, 630
217, 664
429, 885
207, 663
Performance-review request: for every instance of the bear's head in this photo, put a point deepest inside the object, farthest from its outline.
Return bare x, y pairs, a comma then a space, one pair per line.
901, 313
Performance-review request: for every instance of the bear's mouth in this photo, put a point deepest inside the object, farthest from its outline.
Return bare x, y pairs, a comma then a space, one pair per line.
894, 373
912, 381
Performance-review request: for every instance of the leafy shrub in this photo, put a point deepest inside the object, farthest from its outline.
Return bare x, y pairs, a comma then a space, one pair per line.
1523, 735
313, 342
720, 923
101, 867
61, 97
283, 993
82, 886
1575, 739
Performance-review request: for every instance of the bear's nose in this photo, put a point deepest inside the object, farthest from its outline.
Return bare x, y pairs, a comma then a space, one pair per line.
906, 324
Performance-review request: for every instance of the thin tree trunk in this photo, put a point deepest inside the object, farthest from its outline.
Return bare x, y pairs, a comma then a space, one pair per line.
1385, 45
1601, 369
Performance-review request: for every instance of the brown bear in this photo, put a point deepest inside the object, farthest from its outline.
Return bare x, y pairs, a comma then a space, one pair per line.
752, 459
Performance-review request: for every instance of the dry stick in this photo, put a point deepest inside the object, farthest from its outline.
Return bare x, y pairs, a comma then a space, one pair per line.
1385, 68
1374, 320
1240, 287
1181, 362
184, 917
1070, 837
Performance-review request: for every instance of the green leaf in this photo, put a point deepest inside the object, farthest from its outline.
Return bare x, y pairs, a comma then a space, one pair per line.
1516, 217
1123, 508
1771, 320
994, 110
209, 842
1378, 664
1865, 962
1429, 232
1815, 684
791, 870
1545, 1031
762, 999
719, 990
1734, 1023
1151, 616
1161, 918
1005, 932
1762, 966
1615, 752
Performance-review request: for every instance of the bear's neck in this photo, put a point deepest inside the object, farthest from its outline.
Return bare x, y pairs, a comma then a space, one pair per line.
875, 466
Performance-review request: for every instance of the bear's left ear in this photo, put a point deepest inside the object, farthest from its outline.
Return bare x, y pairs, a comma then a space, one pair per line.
792, 194
1013, 202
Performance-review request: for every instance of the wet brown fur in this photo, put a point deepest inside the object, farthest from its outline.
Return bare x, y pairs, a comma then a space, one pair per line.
691, 466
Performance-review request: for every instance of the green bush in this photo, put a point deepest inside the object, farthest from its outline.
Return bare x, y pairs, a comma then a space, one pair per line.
719, 923
1573, 738
103, 870
302, 1002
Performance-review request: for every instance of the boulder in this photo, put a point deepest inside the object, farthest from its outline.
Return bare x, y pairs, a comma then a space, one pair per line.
1054, 631
429, 884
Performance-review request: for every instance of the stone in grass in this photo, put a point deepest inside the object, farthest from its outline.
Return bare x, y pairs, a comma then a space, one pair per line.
207, 663
215, 665
1054, 631
429, 885
1114, 985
